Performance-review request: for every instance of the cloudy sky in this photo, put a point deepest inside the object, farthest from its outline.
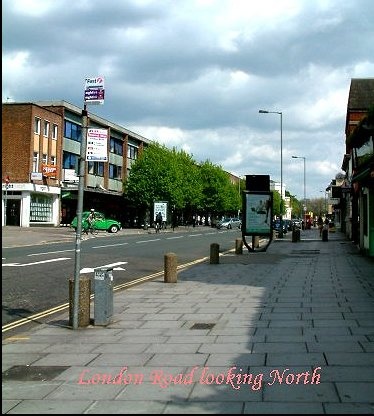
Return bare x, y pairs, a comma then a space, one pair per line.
193, 74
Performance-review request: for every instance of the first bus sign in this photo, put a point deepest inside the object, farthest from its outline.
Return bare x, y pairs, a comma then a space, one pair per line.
94, 90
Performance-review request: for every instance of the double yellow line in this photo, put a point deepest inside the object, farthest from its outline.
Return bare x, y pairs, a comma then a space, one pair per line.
64, 306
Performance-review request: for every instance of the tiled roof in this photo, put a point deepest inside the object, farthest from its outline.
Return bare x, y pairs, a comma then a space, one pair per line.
361, 94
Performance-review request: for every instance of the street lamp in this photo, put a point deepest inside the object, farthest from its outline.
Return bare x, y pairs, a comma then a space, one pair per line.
302, 157
325, 202
280, 234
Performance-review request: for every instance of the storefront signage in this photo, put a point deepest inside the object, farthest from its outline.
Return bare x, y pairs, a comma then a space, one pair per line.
49, 171
36, 176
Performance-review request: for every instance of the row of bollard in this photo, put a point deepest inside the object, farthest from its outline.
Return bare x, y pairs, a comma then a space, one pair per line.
103, 281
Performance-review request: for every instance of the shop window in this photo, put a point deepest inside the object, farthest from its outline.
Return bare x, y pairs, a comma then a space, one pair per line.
40, 208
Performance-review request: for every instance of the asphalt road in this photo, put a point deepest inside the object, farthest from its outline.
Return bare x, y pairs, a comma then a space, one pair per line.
36, 277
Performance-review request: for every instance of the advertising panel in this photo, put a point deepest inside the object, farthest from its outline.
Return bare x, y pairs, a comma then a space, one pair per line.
160, 207
257, 213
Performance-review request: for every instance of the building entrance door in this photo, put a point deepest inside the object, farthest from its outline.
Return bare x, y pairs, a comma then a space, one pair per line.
13, 212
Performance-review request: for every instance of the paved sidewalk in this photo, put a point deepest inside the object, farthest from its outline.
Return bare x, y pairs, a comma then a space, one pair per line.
290, 330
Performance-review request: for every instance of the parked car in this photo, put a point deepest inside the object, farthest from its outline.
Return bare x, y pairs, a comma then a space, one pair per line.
288, 224
101, 223
229, 223
277, 226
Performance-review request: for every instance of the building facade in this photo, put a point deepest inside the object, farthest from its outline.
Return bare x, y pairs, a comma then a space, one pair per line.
357, 189
40, 163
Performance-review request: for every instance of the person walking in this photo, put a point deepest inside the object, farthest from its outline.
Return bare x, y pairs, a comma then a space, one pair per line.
320, 225
158, 222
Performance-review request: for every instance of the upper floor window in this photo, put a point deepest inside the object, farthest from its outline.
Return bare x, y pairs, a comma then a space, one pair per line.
54, 132
96, 168
45, 159
73, 131
53, 160
37, 125
46, 128
35, 162
116, 146
70, 161
115, 172
132, 152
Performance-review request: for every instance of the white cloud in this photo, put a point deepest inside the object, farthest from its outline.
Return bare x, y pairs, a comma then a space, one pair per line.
193, 73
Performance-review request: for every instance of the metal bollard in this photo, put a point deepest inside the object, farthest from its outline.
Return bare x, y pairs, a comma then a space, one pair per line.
84, 301
295, 237
103, 302
214, 253
170, 268
238, 246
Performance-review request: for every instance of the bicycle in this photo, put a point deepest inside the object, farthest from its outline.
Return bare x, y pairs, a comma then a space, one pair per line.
158, 227
91, 229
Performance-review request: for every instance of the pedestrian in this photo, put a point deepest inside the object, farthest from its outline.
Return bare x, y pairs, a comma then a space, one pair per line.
158, 221
320, 225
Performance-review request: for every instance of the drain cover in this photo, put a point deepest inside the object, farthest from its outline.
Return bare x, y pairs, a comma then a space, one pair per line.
202, 325
305, 251
33, 373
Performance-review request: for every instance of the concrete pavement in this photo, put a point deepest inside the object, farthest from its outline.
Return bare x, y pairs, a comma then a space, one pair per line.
290, 330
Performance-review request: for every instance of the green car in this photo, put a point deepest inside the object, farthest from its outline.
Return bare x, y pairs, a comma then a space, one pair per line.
101, 223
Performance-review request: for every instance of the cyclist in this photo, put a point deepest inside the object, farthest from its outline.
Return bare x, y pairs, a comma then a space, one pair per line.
88, 225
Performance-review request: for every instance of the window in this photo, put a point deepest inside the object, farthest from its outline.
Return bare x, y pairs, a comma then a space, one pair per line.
115, 172
132, 152
35, 162
116, 146
70, 161
40, 208
96, 168
46, 129
37, 125
53, 160
73, 131
55, 132
45, 159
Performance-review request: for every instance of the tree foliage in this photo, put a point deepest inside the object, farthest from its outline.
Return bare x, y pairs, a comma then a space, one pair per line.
161, 174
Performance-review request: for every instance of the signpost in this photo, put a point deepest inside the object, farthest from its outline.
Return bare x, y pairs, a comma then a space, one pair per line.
93, 94
7, 180
97, 145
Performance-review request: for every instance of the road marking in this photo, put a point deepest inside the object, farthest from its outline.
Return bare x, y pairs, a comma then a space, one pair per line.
111, 245
148, 241
173, 238
49, 252
37, 262
194, 235
113, 265
64, 306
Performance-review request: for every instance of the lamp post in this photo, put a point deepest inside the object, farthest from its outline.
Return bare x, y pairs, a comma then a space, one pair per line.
325, 204
280, 234
303, 157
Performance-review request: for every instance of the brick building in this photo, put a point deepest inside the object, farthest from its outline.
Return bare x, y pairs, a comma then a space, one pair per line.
40, 156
